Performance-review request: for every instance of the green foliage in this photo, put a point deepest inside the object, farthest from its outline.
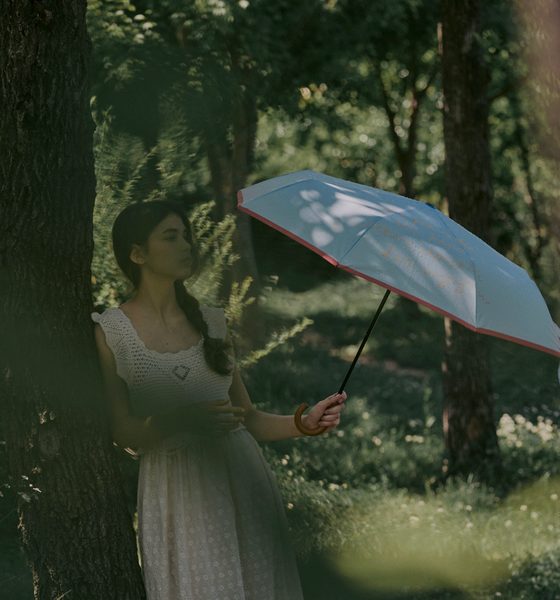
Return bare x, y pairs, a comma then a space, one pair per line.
277, 340
362, 494
120, 160
172, 71
353, 143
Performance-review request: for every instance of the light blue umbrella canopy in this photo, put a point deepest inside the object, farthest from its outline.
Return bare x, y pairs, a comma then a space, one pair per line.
408, 247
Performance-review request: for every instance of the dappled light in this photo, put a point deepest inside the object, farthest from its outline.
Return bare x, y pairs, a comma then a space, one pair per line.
411, 248
333, 157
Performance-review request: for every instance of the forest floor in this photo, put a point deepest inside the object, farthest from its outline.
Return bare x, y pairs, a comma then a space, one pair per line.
366, 516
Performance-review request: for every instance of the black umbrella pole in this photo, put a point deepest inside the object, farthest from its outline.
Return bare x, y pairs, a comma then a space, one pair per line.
299, 412
375, 319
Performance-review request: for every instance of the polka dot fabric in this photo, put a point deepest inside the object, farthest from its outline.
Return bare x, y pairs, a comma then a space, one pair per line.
211, 521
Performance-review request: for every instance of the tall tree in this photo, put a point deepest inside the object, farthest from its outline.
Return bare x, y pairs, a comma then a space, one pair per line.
225, 62
78, 534
468, 420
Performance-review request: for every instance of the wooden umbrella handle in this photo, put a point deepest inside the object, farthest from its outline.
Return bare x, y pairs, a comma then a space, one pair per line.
301, 427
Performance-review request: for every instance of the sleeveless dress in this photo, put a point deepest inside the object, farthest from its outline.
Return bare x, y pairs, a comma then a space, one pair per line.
211, 521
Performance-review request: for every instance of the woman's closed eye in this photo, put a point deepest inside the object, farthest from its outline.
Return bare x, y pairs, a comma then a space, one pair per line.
174, 238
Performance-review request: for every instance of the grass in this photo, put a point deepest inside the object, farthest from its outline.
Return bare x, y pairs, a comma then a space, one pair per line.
359, 500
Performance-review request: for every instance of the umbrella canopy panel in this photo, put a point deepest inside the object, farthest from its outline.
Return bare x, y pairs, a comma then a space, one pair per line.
408, 247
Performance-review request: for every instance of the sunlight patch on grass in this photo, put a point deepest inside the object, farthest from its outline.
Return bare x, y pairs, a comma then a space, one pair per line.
352, 298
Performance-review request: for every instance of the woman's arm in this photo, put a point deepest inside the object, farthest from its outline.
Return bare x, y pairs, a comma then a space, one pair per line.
128, 431
267, 427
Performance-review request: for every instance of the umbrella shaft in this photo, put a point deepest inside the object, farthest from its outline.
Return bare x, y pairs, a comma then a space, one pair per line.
375, 318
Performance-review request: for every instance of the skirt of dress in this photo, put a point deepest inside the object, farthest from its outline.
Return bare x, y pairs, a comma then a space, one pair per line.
212, 525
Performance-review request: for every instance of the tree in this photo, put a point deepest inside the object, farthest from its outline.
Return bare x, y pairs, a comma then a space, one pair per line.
468, 420
77, 534
226, 62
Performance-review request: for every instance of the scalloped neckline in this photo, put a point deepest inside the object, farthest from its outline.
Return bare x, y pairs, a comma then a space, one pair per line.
135, 333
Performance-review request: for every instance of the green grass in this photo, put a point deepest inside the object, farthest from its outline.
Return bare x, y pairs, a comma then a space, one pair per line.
359, 500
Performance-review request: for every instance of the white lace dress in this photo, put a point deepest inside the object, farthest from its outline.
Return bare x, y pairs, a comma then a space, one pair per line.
211, 521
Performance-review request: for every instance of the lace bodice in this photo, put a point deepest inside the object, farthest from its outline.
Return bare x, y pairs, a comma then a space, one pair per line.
158, 382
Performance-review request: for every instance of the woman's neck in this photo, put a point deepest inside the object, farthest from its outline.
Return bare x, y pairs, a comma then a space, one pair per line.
157, 297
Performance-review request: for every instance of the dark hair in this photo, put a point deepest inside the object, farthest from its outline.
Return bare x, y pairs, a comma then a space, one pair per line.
134, 225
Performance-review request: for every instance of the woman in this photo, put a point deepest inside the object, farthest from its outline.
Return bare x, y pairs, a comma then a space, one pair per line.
211, 521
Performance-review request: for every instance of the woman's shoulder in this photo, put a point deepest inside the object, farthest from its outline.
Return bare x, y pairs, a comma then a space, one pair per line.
216, 320
108, 316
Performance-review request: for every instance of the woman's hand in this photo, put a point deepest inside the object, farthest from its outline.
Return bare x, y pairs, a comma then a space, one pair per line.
325, 415
212, 419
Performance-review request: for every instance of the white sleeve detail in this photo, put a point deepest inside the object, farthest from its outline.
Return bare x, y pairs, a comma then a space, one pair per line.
114, 337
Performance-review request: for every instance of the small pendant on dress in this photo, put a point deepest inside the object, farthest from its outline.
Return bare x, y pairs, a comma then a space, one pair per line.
180, 371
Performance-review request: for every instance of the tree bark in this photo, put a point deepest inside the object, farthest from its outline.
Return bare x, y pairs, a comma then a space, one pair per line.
468, 421
78, 534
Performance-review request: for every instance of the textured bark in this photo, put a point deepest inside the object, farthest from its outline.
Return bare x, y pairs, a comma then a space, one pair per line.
77, 534
469, 429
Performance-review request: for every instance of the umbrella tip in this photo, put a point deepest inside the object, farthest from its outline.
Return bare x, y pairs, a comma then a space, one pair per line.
431, 205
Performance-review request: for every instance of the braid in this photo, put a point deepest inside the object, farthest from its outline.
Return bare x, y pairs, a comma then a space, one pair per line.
215, 350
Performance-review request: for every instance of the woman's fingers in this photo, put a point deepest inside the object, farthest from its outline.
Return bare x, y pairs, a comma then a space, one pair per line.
335, 398
331, 416
329, 419
334, 410
223, 419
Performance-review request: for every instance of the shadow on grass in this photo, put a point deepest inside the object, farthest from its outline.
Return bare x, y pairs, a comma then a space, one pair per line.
321, 582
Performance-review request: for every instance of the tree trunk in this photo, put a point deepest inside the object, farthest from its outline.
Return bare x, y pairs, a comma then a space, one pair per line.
229, 169
406, 156
230, 164
469, 429
78, 533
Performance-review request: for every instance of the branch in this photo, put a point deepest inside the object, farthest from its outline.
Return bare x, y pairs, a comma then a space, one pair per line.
391, 114
417, 97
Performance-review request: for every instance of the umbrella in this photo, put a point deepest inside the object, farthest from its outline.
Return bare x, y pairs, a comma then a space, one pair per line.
408, 247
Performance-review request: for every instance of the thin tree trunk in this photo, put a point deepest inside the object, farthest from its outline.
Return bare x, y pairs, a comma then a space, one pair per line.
77, 534
534, 252
229, 169
469, 429
406, 158
230, 165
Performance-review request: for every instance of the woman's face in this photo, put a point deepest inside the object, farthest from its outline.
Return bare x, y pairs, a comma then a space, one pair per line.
169, 252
